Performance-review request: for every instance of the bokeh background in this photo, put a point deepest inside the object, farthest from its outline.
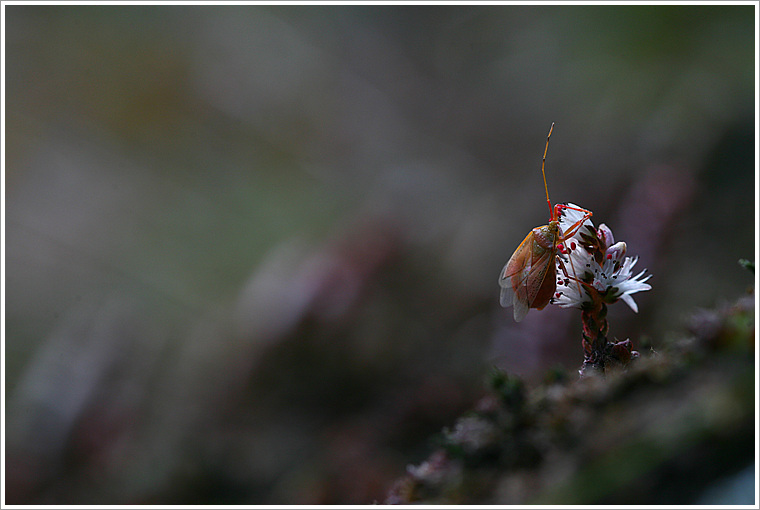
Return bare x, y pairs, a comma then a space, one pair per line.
252, 251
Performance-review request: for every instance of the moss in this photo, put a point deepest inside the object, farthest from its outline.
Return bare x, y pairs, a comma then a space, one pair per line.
656, 432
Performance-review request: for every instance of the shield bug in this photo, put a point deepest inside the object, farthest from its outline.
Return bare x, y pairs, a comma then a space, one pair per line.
529, 279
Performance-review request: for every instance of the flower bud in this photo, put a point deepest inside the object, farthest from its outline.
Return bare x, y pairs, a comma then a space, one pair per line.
617, 251
605, 236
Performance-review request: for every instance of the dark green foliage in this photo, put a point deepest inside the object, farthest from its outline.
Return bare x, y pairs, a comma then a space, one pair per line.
509, 388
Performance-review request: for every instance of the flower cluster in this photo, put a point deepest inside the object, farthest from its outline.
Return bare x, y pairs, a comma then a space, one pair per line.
593, 271
593, 267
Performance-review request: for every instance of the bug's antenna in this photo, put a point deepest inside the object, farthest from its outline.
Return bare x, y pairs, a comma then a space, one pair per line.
543, 163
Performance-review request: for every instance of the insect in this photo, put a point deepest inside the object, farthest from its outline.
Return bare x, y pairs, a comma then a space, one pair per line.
529, 279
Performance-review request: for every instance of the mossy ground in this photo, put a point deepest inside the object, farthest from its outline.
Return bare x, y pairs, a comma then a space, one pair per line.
660, 431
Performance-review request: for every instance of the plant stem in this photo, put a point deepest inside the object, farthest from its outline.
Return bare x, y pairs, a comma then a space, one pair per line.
598, 352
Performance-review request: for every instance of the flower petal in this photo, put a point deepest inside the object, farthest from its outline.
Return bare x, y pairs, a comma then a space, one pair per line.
630, 302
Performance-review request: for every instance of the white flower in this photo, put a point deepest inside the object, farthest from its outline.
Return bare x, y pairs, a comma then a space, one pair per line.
592, 256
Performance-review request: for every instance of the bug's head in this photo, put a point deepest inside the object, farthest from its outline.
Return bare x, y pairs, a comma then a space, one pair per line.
553, 227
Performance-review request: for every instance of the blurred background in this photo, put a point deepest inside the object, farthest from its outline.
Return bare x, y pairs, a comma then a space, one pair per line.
252, 251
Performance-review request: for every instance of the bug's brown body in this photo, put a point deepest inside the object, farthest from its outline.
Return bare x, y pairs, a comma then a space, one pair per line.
529, 279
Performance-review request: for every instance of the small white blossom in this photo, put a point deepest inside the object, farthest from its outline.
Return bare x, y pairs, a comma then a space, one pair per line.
611, 277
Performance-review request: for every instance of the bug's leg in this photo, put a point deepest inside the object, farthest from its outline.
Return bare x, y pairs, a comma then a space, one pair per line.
570, 232
563, 268
572, 208
559, 207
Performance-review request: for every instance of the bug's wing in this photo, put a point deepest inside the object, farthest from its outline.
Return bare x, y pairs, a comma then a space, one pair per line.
540, 267
514, 279
507, 296
520, 309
